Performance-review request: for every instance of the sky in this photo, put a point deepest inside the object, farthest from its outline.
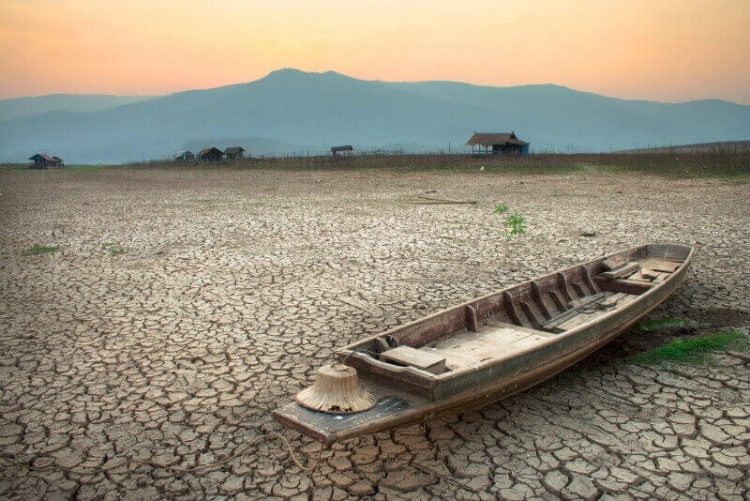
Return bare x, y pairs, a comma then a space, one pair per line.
665, 50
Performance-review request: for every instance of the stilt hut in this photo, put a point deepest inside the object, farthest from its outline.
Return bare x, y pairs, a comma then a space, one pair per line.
497, 143
234, 152
184, 156
211, 154
346, 149
44, 161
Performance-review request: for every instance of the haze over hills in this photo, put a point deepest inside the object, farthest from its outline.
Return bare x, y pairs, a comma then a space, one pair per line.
294, 111
28, 106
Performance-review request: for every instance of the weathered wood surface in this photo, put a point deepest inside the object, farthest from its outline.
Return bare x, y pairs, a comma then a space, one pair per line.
659, 265
488, 365
626, 269
615, 261
649, 274
423, 360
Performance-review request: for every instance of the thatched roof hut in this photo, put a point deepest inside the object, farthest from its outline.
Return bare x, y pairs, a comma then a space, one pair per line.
234, 152
345, 149
44, 161
184, 156
498, 143
211, 154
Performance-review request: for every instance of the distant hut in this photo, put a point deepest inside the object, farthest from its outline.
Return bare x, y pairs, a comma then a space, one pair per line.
343, 150
44, 161
184, 156
211, 154
234, 152
497, 143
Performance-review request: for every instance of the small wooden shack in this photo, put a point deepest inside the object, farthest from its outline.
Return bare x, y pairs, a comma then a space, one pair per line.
345, 149
497, 143
44, 161
211, 154
184, 156
234, 152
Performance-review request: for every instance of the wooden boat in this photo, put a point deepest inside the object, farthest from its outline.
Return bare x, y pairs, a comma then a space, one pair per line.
499, 344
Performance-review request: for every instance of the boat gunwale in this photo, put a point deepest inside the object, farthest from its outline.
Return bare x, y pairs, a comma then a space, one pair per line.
491, 390
462, 400
430, 381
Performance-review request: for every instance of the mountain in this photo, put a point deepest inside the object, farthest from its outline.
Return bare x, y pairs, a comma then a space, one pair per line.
29, 106
289, 110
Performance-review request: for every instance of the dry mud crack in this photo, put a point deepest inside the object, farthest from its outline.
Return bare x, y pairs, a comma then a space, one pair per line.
122, 369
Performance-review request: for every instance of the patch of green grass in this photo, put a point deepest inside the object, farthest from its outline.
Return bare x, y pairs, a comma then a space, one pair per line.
114, 249
355, 211
36, 250
691, 350
515, 225
657, 324
707, 163
14, 167
540, 169
501, 208
85, 169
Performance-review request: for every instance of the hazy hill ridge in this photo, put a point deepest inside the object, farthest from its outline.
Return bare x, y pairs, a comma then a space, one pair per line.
29, 106
290, 110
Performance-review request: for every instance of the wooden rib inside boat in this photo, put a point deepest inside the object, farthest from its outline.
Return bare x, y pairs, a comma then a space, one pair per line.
499, 344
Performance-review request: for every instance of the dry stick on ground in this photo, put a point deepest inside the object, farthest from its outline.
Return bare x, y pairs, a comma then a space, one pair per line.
444, 201
352, 304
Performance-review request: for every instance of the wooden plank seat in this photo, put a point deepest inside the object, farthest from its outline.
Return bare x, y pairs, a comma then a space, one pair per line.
495, 340
659, 264
625, 269
589, 314
420, 359
635, 287
645, 269
636, 276
584, 310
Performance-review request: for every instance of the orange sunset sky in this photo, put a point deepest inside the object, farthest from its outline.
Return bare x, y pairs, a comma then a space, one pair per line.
668, 50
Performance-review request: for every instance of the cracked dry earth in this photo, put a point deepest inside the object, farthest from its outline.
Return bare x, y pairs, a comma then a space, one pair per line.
121, 370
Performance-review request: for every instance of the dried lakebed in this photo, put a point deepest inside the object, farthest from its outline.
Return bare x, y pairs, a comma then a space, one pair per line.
173, 308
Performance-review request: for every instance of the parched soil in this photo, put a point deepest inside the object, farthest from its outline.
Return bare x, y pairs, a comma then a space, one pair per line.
181, 306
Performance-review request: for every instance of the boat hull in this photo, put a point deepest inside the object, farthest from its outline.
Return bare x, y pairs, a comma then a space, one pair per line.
400, 405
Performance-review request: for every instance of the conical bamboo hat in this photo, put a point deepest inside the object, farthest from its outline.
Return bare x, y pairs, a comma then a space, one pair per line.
336, 390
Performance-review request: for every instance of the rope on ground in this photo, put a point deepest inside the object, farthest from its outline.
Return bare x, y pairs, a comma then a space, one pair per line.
244, 447
450, 480
742, 356
11, 461
735, 354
